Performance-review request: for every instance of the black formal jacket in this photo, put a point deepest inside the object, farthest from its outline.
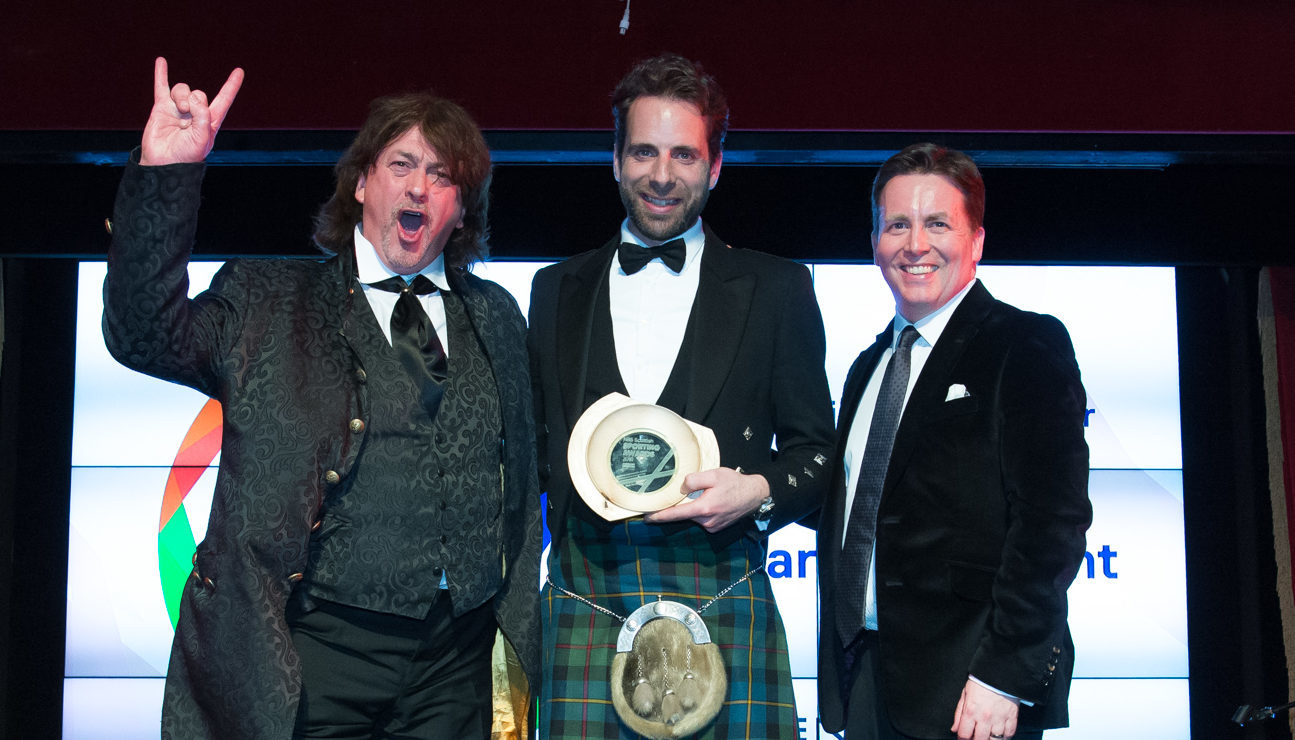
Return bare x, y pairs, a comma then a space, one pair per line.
980, 530
756, 373
271, 340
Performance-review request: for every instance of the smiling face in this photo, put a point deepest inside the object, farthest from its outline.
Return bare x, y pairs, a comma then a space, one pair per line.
410, 207
664, 171
924, 244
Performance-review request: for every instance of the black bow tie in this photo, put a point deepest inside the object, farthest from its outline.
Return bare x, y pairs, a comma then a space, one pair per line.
633, 256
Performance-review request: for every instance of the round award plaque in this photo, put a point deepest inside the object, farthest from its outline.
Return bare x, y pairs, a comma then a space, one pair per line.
627, 458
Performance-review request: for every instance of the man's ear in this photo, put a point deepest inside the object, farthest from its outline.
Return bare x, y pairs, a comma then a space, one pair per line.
616, 166
714, 170
978, 245
359, 187
874, 247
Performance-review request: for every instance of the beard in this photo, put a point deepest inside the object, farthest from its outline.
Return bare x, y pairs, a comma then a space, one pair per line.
658, 227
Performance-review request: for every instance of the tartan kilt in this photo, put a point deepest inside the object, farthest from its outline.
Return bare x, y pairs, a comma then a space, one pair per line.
631, 566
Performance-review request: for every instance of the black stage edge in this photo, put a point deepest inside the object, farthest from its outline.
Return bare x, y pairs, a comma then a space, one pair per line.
1160, 199
742, 147
1184, 215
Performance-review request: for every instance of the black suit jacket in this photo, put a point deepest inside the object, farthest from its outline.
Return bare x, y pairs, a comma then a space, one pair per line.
980, 530
272, 341
757, 372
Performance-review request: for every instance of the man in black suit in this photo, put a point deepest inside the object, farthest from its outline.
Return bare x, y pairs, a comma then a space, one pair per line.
955, 521
726, 337
375, 521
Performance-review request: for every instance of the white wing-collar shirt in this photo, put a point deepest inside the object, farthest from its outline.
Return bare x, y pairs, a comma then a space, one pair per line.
369, 269
650, 311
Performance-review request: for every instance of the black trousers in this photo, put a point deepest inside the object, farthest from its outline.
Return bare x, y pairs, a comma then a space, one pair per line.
865, 715
371, 675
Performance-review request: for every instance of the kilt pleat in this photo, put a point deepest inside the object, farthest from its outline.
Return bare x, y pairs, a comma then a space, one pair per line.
630, 566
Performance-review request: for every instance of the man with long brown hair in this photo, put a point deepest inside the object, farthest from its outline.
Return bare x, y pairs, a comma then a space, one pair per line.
375, 521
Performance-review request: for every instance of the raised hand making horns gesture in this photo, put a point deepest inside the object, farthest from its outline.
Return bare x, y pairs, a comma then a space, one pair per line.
182, 125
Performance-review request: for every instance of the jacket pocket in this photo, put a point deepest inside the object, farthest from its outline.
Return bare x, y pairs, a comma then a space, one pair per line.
958, 407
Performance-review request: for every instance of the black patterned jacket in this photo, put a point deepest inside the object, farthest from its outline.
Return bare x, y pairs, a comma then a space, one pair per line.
269, 341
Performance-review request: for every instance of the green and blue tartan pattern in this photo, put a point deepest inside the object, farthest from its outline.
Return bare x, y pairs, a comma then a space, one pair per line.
631, 566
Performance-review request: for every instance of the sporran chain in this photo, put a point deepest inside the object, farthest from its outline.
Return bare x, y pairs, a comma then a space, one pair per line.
587, 602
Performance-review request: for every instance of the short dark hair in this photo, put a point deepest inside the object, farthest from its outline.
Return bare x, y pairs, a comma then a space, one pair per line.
677, 78
456, 138
932, 159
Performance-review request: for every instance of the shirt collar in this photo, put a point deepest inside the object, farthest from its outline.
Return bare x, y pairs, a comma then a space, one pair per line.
369, 268
931, 326
694, 239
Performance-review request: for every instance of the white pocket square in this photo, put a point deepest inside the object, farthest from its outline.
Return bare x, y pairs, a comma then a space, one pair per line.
956, 391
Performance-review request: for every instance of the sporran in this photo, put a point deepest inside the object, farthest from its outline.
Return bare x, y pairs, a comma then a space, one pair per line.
667, 679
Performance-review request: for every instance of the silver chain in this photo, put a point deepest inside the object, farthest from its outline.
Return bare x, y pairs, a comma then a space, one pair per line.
585, 601
619, 618
730, 587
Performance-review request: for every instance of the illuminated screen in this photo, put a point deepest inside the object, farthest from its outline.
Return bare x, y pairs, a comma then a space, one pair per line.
144, 457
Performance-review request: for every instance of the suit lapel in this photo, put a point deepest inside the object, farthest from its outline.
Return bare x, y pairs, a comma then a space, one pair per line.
719, 312
723, 300
577, 298
932, 385
864, 366
852, 393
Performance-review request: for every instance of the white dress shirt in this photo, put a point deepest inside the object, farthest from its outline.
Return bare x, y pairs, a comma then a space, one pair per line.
650, 311
929, 330
369, 269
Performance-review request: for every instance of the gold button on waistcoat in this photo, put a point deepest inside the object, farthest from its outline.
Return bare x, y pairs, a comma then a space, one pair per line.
332, 478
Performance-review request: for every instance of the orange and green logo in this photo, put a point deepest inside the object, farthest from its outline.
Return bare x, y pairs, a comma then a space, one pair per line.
175, 542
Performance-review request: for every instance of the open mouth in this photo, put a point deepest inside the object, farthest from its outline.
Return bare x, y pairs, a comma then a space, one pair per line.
411, 221
918, 269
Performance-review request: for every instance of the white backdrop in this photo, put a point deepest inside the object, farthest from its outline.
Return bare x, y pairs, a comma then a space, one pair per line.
1128, 603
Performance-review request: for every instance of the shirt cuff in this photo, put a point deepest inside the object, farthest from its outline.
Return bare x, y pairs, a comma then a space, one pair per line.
1017, 699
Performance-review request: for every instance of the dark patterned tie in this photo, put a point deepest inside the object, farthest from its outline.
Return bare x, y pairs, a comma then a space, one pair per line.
634, 257
856, 555
414, 338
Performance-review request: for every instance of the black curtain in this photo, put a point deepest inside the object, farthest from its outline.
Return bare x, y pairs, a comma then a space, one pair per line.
1236, 654
35, 471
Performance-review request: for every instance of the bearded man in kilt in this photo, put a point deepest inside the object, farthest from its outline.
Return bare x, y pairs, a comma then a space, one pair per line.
728, 338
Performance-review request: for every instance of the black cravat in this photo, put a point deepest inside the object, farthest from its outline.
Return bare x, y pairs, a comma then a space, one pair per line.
856, 555
634, 256
414, 338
